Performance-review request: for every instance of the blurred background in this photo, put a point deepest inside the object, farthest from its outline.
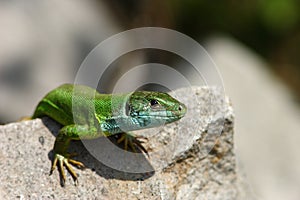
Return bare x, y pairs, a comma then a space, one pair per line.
255, 45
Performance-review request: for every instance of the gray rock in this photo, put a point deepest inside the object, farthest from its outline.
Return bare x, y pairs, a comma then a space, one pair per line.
266, 120
188, 159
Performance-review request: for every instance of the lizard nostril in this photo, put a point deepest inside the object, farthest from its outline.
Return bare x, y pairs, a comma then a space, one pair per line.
180, 108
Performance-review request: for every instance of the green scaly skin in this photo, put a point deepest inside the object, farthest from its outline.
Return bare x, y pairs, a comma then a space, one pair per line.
87, 114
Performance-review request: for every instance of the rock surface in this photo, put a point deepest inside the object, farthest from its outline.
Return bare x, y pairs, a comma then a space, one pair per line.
190, 159
266, 121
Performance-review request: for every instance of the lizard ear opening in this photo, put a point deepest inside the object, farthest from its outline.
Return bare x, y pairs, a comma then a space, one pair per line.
127, 109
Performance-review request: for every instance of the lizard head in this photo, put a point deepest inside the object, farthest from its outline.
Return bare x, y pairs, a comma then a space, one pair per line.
150, 109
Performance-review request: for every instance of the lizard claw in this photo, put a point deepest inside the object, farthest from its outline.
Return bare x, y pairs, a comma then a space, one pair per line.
133, 141
62, 161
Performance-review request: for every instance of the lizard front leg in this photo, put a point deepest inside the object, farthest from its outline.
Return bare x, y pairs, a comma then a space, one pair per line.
61, 157
129, 139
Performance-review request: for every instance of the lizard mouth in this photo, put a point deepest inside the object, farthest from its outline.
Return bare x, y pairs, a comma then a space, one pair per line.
169, 114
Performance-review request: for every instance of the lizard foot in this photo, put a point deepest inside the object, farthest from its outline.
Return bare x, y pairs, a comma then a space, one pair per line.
134, 142
26, 118
62, 161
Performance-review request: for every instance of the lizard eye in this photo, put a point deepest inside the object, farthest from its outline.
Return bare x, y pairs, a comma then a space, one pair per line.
153, 102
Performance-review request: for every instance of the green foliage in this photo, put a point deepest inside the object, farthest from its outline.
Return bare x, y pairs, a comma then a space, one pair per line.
279, 15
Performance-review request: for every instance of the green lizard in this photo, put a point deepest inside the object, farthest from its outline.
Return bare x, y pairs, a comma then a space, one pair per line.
87, 114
